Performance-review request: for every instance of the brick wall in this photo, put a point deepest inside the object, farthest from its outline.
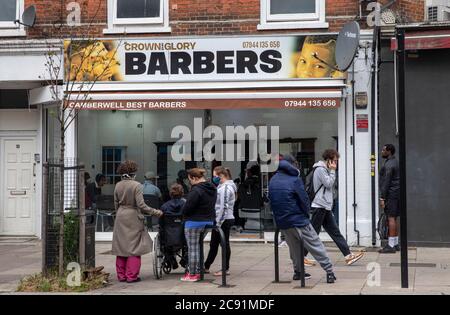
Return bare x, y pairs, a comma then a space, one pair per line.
204, 17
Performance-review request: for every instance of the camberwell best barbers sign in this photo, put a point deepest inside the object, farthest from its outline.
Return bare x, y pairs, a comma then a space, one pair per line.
203, 59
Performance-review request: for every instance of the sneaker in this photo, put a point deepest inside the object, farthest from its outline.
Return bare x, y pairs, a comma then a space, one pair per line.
283, 244
190, 278
397, 247
309, 262
219, 273
387, 250
331, 278
297, 276
352, 258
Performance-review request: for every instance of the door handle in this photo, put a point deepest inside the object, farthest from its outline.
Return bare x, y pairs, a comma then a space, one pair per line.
34, 169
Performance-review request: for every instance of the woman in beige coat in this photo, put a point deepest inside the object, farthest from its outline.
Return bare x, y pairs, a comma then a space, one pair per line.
130, 236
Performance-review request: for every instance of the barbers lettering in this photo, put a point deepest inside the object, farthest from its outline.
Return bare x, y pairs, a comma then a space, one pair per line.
202, 62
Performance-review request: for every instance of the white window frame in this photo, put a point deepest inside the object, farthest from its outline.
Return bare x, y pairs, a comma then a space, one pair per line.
292, 21
137, 25
9, 28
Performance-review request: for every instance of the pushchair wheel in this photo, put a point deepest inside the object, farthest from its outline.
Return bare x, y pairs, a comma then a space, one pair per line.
158, 258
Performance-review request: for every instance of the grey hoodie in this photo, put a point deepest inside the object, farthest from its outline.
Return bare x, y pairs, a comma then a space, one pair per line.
226, 197
323, 176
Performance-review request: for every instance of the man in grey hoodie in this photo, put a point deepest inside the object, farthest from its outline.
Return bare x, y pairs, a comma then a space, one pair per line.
324, 180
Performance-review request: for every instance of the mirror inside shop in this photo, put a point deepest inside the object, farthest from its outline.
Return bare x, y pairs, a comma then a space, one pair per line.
106, 138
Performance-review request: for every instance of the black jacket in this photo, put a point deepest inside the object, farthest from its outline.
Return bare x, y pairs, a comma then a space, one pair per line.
200, 203
390, 179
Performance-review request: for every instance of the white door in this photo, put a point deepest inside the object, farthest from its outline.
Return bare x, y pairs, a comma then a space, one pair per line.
17, 204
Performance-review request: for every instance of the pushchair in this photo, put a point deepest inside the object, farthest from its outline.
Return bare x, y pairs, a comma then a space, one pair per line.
169, 244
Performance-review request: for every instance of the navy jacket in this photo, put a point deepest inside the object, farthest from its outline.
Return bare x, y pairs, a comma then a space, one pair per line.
288, 199
173, 206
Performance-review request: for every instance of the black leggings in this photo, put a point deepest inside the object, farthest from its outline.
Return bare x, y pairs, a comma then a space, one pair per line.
215, 242
322, 217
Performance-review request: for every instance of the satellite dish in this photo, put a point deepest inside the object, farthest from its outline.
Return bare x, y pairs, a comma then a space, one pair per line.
28, 17
347, 45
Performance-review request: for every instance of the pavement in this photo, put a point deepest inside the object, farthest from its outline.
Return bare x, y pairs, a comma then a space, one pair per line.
252, 272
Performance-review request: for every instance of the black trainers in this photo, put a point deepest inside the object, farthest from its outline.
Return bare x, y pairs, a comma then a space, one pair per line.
331, 277
397, 247
387, 250
297, 276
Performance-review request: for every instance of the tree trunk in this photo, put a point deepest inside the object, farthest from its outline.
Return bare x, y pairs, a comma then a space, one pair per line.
61, 202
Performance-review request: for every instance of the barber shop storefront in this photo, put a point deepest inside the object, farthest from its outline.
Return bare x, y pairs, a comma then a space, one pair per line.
174, 104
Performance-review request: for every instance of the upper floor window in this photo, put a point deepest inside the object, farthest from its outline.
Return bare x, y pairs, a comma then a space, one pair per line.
10, 11
138, 16
290, 14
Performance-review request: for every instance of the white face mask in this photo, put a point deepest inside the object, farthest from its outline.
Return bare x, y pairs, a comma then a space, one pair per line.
127, 176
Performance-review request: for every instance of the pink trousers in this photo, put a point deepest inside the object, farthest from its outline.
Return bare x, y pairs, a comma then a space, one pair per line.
128, 268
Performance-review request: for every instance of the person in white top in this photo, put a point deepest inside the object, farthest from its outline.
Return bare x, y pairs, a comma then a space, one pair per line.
226, 197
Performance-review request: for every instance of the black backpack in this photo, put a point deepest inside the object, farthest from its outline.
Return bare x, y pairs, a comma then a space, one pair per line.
309, 185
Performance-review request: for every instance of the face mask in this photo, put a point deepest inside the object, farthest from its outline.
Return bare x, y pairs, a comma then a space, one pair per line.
216, 180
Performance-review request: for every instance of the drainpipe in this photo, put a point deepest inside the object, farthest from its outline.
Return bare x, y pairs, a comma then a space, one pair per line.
373, 107
354, 153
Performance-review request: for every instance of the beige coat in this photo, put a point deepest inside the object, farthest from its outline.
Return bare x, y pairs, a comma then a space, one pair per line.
130, 235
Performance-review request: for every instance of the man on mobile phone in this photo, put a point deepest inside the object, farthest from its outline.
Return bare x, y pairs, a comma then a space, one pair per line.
324, 180
390, 196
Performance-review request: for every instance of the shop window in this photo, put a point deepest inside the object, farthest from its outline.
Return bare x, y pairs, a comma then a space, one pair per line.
291, 14
138, 16
111, 158
11, 10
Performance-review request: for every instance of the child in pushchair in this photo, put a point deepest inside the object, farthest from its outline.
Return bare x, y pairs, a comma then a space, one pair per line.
171, 231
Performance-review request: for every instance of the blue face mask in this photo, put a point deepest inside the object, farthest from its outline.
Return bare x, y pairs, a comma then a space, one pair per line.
216, 180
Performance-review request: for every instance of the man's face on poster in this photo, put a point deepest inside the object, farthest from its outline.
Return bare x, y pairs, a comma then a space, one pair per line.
309, 67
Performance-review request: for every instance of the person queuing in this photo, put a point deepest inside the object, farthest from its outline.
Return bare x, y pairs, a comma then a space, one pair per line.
324, 180
290, 206
174, 207
198, 212
130, 235
390, 196
226, 197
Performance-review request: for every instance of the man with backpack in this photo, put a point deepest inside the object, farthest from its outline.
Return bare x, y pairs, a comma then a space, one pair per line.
290, 206
320, 185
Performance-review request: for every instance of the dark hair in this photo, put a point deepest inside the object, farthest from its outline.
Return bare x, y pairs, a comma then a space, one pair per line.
99, 177
390, 148
127, 167
312, 39
221, 170
330, 154
197, 172
176, 191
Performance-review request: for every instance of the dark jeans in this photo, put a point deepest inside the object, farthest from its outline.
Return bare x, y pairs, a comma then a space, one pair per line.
322, 217
215, 242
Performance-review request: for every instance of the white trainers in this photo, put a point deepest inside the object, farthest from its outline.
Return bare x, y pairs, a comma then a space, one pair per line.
352, 258
283, 244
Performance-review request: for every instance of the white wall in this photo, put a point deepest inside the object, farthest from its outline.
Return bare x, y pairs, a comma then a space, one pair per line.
362, 164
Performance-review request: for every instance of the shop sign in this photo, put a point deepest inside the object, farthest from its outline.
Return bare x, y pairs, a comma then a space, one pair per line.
202, 59
183, 104
362, 123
